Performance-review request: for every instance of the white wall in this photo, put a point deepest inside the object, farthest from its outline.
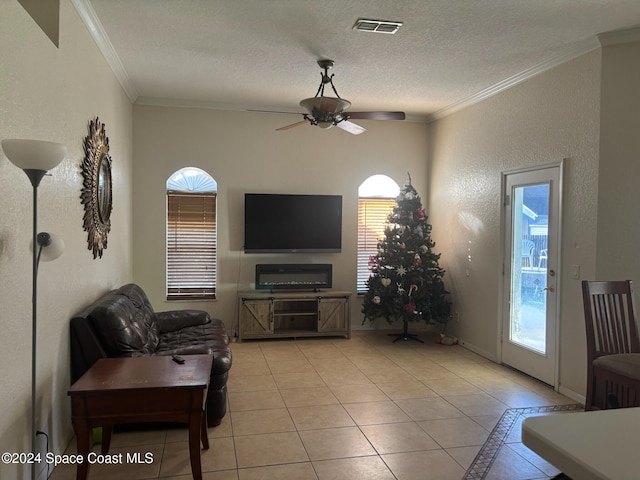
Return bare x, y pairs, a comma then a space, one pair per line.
51, 93
244, 153
618, 212
552, 116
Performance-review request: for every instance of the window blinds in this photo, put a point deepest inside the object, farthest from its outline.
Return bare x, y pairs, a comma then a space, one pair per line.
191, 245
372, 218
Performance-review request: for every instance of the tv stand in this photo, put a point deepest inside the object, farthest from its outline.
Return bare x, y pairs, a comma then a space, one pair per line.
293, 314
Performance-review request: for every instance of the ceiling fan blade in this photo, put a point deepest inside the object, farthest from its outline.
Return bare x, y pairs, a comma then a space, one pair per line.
287, 127
351, 127
377, 115
275, 111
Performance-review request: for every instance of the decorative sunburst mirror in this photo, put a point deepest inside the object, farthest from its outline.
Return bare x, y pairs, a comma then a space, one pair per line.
96, 190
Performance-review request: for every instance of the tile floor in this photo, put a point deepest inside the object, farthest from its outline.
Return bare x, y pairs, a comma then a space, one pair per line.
338, 409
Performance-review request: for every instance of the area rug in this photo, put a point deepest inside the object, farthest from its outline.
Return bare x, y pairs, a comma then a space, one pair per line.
481, 465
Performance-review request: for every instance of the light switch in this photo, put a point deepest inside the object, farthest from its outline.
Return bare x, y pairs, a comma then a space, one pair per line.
575, 272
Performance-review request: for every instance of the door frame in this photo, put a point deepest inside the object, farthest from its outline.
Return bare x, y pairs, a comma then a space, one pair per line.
557, 257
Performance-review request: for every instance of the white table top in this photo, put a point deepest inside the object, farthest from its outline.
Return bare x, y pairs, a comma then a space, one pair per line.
600, 445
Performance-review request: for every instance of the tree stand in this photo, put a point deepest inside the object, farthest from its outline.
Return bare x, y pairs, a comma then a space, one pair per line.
405, 335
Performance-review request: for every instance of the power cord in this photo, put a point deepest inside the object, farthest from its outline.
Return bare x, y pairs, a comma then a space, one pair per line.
38, 432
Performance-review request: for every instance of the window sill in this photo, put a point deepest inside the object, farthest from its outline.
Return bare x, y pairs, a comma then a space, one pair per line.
190, 299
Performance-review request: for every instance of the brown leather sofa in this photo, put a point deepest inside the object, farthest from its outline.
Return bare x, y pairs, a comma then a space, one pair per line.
122, 323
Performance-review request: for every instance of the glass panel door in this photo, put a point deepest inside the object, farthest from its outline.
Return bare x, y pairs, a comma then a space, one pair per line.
530, 217
531, 256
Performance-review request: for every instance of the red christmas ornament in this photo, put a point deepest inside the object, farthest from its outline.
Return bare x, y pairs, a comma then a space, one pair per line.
410, 307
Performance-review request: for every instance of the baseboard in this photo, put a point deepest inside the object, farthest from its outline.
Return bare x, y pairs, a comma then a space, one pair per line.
383, 326
478, 350
576, 397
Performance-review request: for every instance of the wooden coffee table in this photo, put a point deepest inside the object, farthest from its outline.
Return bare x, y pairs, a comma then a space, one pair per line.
141, 389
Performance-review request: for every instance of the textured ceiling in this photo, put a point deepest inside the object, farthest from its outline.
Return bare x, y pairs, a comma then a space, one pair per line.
261, 54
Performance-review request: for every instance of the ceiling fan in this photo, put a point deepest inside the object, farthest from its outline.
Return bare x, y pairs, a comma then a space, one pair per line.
325, 112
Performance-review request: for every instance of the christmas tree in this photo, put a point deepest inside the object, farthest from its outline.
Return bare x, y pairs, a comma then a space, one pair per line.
406, 279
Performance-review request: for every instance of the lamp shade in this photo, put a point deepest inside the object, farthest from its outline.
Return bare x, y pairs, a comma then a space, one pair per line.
52, 246
33, 154
325, 105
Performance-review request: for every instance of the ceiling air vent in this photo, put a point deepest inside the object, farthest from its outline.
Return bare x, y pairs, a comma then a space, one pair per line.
377, 26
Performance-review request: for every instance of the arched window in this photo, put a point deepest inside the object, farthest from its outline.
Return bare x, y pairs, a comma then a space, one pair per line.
191, 235
376, 199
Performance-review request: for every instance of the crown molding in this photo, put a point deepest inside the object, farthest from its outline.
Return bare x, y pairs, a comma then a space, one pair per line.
564, 56
617, 37
92, 22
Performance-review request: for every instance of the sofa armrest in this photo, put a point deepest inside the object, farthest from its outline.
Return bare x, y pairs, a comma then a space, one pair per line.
86, 349
173, 320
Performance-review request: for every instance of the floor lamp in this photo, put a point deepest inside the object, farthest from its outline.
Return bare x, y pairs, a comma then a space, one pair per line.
36, 157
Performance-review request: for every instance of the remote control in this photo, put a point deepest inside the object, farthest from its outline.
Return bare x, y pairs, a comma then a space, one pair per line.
178, 359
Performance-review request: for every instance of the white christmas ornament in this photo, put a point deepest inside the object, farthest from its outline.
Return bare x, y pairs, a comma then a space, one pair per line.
401, 271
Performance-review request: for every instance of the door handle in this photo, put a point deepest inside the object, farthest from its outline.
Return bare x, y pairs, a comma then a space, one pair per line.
547, 289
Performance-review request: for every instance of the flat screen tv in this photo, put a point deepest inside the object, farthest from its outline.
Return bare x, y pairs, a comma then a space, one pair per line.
280, 223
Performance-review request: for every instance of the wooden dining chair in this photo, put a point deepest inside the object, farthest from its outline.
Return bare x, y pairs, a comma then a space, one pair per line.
613, 346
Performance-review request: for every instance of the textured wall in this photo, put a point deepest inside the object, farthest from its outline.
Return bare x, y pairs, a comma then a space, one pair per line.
244, 153
51, 93
552, 116
618, 214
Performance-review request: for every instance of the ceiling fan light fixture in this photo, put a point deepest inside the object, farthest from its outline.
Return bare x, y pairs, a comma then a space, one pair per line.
332, 105
326, 112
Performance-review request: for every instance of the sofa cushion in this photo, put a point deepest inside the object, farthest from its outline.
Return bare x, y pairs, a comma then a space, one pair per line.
145, 314
125, 322
210, 338
172, 320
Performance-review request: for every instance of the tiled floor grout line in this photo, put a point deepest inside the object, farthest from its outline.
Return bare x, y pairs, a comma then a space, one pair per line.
355, 423
488, 452
492, 433
485, 390
434, 439
358, 426
428, 369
